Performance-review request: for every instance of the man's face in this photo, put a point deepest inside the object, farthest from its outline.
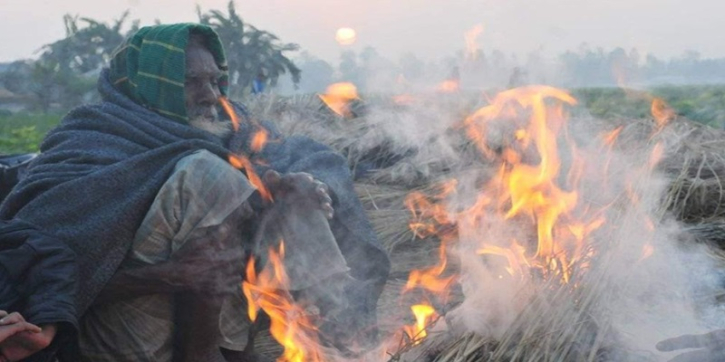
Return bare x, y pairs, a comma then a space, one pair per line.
201, 90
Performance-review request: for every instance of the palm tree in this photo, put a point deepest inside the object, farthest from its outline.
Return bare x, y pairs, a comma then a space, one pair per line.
88, 43
251, 53
61, 74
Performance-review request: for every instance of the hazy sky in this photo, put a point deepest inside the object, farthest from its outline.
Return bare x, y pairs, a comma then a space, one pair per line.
429, 28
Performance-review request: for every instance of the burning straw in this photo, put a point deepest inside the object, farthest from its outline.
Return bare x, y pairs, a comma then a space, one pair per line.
524, 236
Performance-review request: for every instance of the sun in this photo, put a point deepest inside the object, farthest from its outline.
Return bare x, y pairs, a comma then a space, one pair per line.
346, 36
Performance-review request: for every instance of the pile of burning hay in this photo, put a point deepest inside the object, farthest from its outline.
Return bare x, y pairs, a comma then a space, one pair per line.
518, 233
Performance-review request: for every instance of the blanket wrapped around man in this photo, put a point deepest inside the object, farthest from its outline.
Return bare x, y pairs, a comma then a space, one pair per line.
38, 279
100, 169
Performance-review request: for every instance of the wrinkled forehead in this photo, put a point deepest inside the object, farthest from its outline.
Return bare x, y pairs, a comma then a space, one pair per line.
199, 59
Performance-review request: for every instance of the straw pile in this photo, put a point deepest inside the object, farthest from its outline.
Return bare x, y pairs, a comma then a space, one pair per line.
392, 168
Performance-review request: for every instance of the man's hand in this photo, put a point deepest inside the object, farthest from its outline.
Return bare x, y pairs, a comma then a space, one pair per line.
302, 188
201, 266
206, 267
20, 339
710, 347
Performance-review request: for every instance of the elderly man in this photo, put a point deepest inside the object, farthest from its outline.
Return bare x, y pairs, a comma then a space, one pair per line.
140, 189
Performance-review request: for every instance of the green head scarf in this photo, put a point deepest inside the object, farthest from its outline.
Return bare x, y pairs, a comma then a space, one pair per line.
150, 66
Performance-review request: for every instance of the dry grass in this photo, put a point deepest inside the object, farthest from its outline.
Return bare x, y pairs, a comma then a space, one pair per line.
553, 326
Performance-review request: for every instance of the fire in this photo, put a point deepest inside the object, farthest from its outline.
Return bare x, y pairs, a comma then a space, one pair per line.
611, 137
515, 255
532, 190
289, 324
528, 186
431, 279
259, 139
662, 112
338, 97
403, 99
471, 38
424, 315
449, 86
430, 218
647, 251
227, 105
242, 163
346, 36
656, 155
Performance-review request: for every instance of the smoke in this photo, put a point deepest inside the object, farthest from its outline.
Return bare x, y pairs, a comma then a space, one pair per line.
639, 277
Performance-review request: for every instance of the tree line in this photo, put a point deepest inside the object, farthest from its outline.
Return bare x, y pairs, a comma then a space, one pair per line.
66, 71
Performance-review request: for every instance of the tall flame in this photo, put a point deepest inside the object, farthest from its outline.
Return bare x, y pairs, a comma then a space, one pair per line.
532, 189
528, 186
289, 324
259, 139
471, 38
227, 105
662, 112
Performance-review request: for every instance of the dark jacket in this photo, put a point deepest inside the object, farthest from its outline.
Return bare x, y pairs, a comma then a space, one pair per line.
38, 279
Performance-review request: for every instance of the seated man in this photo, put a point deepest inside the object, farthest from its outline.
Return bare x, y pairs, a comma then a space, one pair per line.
140, 189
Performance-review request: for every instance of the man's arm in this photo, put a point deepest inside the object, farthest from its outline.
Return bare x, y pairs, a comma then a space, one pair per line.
132, 283
195, 268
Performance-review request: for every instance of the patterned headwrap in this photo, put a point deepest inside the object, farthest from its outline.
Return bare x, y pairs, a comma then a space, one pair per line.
150, 66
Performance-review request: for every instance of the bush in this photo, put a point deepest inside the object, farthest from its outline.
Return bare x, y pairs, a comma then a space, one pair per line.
23, 132
20, 140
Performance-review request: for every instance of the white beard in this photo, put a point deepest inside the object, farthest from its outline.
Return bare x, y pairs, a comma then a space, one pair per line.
220, 129
212, 125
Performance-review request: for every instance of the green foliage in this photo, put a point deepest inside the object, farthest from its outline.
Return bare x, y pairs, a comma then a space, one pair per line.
704, 104
613, 103
20, 140
23, 132
251, 53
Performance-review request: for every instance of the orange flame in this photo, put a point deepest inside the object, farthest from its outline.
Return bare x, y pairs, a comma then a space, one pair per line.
611, 137
532, 190
259, 140
430, 279
532, 187
662, 112
656, 156
515, 256
227, 105
424, 314
242, 163
430, 218
647, 251
338, 97
403, 99
471, 38
289, 324
528, 189
449, 86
